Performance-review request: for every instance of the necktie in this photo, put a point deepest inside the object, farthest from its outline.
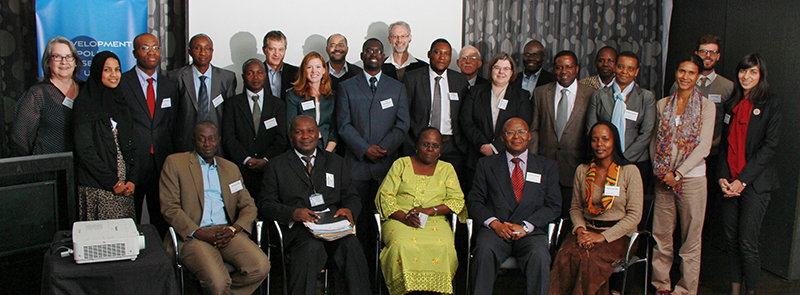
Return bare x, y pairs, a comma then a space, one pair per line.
256, 112
308, 165
202, 102
151, 103
372, 85
703, 81
618, 115
151, 96
436, 110
517, 180
563, 113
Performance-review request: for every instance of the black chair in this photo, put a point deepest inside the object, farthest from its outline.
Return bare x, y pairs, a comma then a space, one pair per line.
324, 272
631, 258
182, 273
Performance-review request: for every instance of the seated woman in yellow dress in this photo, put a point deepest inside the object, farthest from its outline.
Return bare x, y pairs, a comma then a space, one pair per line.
419, 255
606, 209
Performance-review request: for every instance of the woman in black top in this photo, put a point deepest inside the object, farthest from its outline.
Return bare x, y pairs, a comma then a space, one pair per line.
104, 144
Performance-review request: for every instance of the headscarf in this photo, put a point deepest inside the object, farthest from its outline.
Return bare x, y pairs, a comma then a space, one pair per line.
96, 100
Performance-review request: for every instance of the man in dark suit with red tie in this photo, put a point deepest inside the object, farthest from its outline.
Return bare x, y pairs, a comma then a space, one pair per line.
514, 196
150, 96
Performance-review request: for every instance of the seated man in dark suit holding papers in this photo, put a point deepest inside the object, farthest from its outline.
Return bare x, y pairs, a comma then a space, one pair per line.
303, 185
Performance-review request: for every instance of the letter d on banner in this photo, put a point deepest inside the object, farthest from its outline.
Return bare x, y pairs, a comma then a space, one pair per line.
93, 26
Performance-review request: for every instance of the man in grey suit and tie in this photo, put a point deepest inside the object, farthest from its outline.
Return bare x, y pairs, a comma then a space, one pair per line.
203, 89
373, 121
559, 122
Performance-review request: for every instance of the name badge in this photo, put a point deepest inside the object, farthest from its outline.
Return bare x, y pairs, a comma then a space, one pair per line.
727, 119
611, 191
218, 100
113, 124
533, 177
715, 98
307, 105
235, 186
166, 103
386, 103
329, 179
677, 121
631, 115
502, 104
453, 96
423, 219
270, 123
68, 102
316, 200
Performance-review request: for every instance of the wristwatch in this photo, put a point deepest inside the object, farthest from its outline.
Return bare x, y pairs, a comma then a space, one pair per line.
676, 175
525, 227
233, 229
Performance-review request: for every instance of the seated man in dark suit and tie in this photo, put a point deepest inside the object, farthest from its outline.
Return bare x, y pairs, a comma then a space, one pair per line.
631, 109
338, 67
150, 96
280, 75
203, 89
514, 196
254, 125
373, 121
470, 62
559, 122
296, 184
203, 198
434, 97
534, 75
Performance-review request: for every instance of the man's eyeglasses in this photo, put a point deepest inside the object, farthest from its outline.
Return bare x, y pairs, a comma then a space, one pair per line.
511, 133
148, 48
468, 58
337, 45
707, 52
373, 51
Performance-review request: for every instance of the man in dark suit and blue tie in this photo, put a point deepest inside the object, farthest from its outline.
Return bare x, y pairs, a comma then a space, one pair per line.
150, 96
513, 208
300, 182
373, 122
254, 126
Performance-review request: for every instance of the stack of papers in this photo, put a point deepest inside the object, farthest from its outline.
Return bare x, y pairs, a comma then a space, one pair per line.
329, 228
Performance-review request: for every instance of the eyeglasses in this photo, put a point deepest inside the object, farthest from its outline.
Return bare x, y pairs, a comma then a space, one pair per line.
373, 51
148, 48
58, 58
426, 145
707, 52
537, 54
399, 36
208, 139
337, 45
468, 58
499, 68
197, 48
511, 133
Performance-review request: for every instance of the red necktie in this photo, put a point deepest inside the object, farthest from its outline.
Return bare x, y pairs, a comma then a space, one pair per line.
517, 180
151, 102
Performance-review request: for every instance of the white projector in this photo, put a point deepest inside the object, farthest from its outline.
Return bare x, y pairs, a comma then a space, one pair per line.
106, 240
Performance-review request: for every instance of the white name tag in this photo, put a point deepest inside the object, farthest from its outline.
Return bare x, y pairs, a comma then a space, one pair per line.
68, 102
611, 191
218, 100
715, 98
631, 115
677, 121
316, 199
386, 103
329, 179
533, 177
307, 105
235, 186
453, 96
502, 104
270, 123
166, 103
113, 124
727, 119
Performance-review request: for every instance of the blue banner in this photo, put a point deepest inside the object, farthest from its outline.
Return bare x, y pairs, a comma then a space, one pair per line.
93, 26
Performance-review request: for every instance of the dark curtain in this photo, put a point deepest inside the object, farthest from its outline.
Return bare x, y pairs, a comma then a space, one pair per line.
582, 26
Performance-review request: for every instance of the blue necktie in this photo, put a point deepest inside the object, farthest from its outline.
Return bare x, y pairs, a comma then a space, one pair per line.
618, 115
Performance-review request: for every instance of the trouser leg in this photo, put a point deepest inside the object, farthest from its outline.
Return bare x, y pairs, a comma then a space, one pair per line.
664, 216
691, 212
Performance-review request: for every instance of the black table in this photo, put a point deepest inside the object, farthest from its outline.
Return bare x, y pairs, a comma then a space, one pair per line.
151, 273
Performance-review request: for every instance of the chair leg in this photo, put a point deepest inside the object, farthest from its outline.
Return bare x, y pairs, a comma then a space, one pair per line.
325, 274
624, 279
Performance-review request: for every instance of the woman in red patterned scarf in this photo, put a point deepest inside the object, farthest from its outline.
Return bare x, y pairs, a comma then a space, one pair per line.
752, 123
683, 139
606, 209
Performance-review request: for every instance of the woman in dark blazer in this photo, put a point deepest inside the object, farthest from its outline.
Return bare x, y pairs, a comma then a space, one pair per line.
751, 132
478, 123
104, 144
312, 95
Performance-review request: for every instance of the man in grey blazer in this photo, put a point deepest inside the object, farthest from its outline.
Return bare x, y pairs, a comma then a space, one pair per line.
559, 126
373, 121
630, 108
203, 90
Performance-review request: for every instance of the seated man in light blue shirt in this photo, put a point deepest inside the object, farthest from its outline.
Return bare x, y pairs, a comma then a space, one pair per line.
204, 199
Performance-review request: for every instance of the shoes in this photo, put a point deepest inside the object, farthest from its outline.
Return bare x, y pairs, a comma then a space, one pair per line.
662, 292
